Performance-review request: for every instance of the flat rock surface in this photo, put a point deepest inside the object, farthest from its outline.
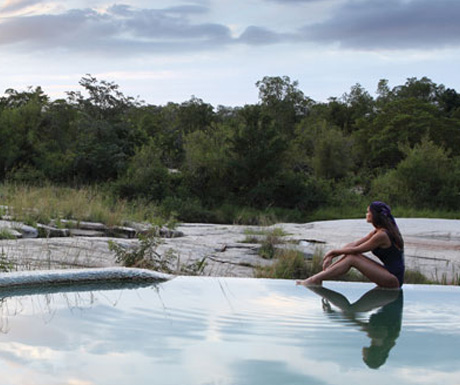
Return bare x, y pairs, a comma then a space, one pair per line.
432, 246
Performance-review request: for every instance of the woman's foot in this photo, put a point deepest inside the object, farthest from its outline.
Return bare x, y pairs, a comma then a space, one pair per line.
312, 281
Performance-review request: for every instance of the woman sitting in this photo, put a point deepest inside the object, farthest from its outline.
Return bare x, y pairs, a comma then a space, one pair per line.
385, 241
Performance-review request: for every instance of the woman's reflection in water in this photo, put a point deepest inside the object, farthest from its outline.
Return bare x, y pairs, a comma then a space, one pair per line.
383, 326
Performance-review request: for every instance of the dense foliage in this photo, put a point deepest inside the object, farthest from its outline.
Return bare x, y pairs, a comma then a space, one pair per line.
287, 152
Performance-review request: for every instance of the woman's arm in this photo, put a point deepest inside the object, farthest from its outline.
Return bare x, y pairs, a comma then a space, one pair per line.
362, 240
372, 241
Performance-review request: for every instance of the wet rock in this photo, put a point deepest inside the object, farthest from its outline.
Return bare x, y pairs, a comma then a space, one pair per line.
86, 233
170, 233
93, 226
121, 232
51, 232
28, 231
145, 228
18, 229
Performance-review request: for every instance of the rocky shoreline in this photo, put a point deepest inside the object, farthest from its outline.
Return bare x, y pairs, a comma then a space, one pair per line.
432, 245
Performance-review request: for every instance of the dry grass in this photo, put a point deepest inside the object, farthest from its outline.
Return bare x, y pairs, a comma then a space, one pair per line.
32, 205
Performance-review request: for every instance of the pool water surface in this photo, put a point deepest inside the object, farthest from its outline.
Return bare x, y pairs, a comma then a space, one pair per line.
194, 330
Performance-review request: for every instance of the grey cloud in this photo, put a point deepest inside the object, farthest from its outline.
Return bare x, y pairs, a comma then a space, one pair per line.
160, 24
52, 30
259, 36
297, 1
121, 29
188, 9
390, 24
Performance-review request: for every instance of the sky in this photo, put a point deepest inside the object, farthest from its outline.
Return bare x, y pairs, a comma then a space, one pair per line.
168, 51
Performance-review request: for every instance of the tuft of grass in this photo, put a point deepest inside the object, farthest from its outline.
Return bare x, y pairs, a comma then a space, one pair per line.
5, 264
6, 234
289, 264
272, 238
415, 276
268, 239
276, 231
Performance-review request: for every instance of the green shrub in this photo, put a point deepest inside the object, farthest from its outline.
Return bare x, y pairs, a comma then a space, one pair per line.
288, 264
187, 210
146, 256
145, 177
26, 175
426, 178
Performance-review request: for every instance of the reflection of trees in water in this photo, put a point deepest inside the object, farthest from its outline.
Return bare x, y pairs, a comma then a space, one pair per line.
45, 300
382, 327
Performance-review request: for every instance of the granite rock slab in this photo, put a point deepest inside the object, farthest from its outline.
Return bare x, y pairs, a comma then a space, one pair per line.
432, 246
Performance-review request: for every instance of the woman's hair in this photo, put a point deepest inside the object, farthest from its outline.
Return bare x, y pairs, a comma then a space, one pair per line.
382, 218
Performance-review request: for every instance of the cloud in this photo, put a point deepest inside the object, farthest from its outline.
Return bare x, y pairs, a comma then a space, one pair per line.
260, 36
390, 24
124, 30
296, 1
118, 29
16, 5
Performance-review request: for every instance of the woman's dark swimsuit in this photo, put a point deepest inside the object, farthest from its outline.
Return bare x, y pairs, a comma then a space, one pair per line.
393, 259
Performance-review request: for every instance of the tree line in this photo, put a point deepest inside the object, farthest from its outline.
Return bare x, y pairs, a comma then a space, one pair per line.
287, 151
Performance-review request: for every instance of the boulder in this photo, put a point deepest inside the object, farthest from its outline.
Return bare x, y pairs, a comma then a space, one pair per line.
51, 232
121, 232
86, 233
93, 226
18, 229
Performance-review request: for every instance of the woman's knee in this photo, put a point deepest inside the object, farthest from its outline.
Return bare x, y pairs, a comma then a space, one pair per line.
351, 259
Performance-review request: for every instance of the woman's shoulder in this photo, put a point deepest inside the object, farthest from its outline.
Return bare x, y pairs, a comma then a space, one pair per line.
380, 231
383, 237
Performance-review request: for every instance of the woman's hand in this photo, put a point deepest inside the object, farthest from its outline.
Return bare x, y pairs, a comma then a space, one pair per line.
327, 260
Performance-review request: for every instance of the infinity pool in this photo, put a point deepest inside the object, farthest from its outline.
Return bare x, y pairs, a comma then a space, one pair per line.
230, 331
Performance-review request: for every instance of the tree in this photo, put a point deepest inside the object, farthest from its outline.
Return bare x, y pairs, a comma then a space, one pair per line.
449, 102
257, 153
426, 178
344, 112
106, 135
206, 165
283, 102
359, 102
195, 115
145, 176
21, 120
56, 142
423, 89
332, 155
380, 139
104, 99
16, 99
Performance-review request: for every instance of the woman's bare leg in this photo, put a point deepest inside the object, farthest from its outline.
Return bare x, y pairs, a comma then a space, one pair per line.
371, 269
